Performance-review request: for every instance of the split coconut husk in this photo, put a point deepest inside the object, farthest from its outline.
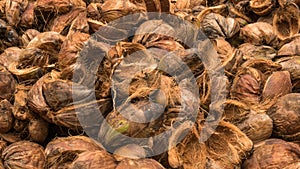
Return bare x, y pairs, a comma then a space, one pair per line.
286, 21
225, 148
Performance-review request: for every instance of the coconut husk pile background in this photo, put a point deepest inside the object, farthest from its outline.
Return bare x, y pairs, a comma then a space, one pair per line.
62, 108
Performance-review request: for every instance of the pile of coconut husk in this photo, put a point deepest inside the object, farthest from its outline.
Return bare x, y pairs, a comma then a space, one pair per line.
126, 84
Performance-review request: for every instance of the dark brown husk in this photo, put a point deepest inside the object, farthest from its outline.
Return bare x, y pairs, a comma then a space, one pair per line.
273, 153
25, 155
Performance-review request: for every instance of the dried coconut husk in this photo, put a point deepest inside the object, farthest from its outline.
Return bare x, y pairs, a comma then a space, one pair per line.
7, 84
11, 137
231, 58
6, 116
257, 126
25, 155
32, 64
20, 109
286, 21
292, 65
267, 67
14, 10
80, 24
262, 7
27, 17
141, 163
291, 48
226, 148
9, 56
66, 149
70, 48
273, 153
295, 165
94, 25
94, 159
257, 52
158, 6
272, 89
88, 115
247, 85
62, 23
38, 129
1, 164
3, 145
63, 102
28, 35
285, 115
93, 11
215, 26
112, 10
57, 6
36, 100
259, 33
47, 41
153, 30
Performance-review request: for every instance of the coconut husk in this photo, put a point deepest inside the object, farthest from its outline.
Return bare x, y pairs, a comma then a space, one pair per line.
14, 10
7, 84
286, 21
262, 7
290, 49
70, 48
259, 33
9, 56
247, 86
6, 116
63, 150
281, 113
62, 23
257, 52
28, 35
226, 148
27, 17
272, 89
216, 26
273, 153
94, 159
24, 154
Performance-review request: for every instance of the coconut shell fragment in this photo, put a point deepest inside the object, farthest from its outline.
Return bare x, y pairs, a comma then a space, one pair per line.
25, 155
285, 115
273, 153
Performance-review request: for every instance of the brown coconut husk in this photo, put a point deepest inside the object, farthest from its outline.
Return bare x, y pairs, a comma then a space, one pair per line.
286, 21
66, 149
226, 148
24, 154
